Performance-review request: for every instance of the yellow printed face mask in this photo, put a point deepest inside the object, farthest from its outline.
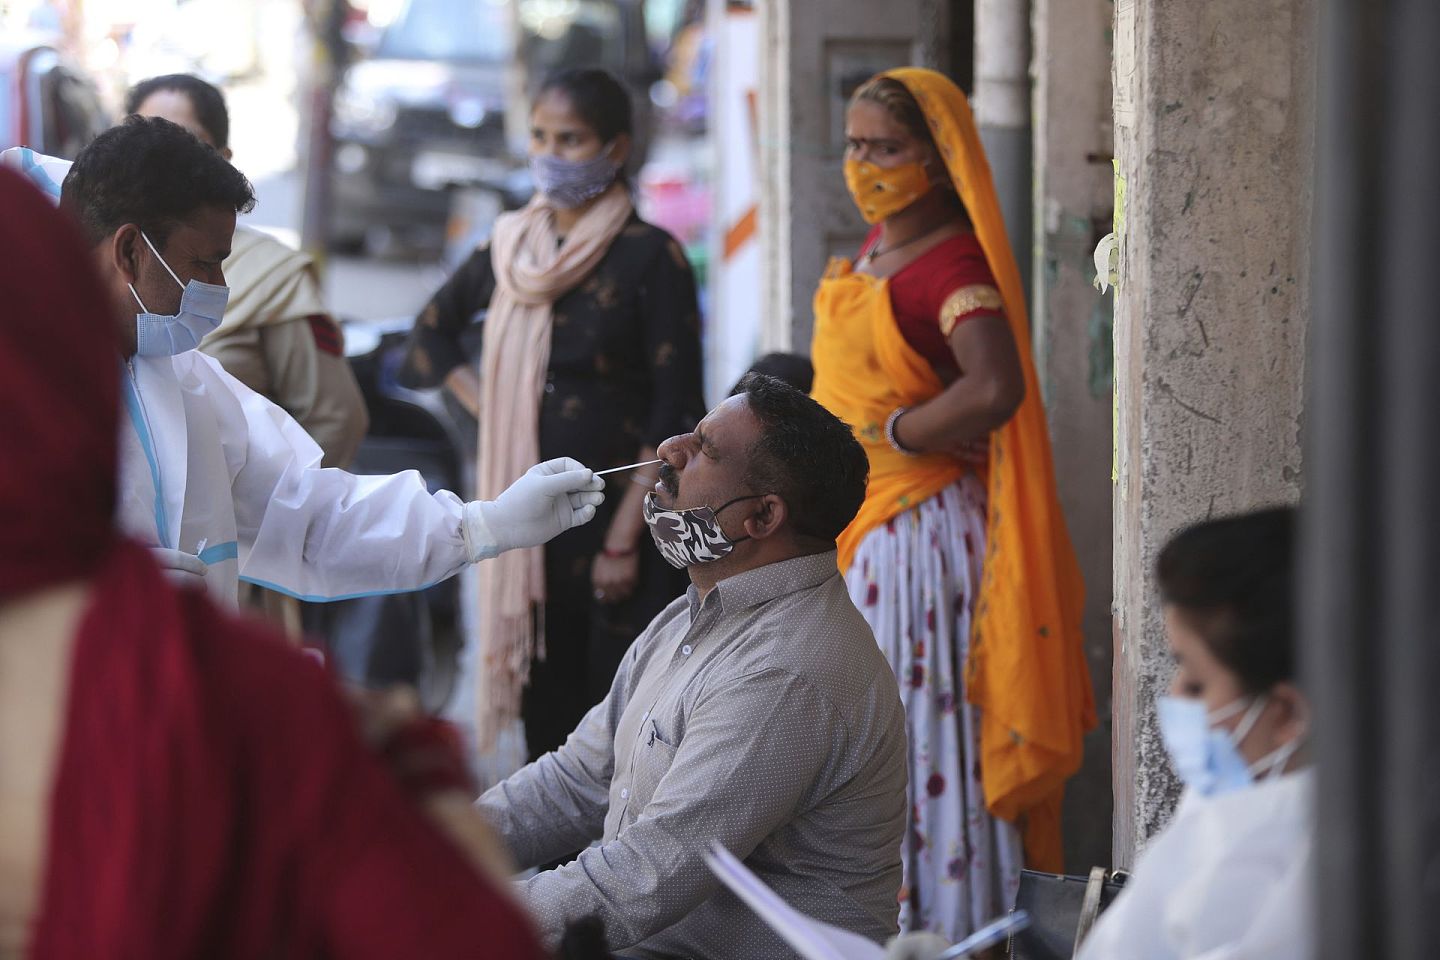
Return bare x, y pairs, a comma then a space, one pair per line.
881, 193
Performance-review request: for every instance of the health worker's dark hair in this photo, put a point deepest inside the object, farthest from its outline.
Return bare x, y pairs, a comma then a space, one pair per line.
152, 173
1233, 581
806, 455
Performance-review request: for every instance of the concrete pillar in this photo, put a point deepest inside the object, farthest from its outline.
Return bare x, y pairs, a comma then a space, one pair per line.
1214, 136
1074, 348
1002, 113
813, 57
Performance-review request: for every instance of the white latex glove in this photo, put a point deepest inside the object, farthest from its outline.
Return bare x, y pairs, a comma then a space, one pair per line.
183, 569
549, 499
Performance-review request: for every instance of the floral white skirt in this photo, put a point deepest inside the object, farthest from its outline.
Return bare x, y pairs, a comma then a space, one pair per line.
915, 579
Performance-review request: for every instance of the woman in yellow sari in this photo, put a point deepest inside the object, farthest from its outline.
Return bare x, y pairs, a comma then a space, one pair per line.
959, 558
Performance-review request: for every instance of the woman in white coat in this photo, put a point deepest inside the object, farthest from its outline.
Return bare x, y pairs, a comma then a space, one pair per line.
1228, 877
219, 481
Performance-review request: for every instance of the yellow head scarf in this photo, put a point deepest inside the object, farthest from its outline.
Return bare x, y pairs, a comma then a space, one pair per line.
1027, 671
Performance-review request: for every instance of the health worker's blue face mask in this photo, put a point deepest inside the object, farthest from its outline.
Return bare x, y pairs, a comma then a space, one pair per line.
202, 307
1206, 757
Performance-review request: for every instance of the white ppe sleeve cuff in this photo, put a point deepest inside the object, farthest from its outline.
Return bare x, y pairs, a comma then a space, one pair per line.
479, 540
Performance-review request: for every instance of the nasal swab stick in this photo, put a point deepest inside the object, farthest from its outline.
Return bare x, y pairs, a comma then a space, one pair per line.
601, 473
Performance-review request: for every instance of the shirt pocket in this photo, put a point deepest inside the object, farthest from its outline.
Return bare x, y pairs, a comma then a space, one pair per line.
653, 757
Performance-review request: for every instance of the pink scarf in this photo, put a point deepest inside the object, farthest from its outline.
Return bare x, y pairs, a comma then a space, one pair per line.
532, 270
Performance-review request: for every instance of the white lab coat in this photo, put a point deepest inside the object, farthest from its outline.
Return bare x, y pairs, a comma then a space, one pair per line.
209, 467
1228, 879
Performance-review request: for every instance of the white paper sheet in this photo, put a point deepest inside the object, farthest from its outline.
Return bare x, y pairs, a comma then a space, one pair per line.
815, 940
808, 937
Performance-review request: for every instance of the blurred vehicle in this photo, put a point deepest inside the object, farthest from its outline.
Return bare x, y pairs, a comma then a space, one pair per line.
556, 34
46, 103
436, 109
425, 113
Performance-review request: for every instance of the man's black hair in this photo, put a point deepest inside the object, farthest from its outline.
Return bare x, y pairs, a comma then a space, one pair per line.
205, 98
1233, 580
794, 368
601, 100
805, 455
153, 173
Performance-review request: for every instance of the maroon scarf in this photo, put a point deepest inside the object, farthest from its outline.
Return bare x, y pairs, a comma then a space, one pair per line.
59, 381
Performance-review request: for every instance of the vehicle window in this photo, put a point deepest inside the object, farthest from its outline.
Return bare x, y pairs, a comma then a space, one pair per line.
571, 33
467, 30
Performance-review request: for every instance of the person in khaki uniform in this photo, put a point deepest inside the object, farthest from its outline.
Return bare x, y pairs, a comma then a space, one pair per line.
279, 341
277, 337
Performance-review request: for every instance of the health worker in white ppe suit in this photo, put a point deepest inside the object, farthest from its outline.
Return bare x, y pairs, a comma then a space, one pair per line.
1228, 878
220, 481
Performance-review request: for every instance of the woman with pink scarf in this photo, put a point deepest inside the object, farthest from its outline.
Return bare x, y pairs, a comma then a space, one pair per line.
591, 346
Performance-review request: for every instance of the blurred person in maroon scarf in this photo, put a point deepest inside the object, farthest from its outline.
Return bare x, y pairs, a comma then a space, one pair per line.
178, 783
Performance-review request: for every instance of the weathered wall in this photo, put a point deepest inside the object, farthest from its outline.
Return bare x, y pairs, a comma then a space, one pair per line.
1002, 102
1214, 136
1074, 348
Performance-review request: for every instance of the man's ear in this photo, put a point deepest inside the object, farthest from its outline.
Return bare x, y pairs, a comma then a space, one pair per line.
769, 517
122, 251
1294, 719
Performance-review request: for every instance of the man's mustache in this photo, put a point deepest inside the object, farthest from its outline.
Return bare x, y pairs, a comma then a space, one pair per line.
669, 480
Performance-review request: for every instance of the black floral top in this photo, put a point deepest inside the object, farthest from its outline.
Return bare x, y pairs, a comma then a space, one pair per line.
624, 373
624, 350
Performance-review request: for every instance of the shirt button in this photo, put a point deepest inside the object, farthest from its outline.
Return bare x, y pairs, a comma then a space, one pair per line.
624, 793
549, 388
685, 649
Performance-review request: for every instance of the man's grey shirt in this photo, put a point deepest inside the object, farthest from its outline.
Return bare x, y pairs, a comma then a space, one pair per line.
765, 718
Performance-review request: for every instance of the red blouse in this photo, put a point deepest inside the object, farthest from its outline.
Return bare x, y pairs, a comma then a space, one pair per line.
944, 286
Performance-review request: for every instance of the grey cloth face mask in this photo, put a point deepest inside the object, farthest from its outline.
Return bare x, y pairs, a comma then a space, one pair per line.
569, 183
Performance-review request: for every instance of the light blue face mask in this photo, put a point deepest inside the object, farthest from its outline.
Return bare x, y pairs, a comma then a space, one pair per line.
202, 307
1206, 757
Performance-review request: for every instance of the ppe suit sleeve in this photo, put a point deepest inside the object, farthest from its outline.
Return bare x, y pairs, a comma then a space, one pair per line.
325, 534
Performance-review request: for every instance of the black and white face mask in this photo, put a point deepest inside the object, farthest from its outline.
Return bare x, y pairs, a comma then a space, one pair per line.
687, 537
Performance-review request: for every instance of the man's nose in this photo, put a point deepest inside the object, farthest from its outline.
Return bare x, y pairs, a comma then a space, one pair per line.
676, 450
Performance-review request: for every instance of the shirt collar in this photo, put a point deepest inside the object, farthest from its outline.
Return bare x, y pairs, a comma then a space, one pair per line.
754, 587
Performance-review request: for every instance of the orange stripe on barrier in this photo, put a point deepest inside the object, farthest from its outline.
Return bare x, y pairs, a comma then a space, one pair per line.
742, 232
